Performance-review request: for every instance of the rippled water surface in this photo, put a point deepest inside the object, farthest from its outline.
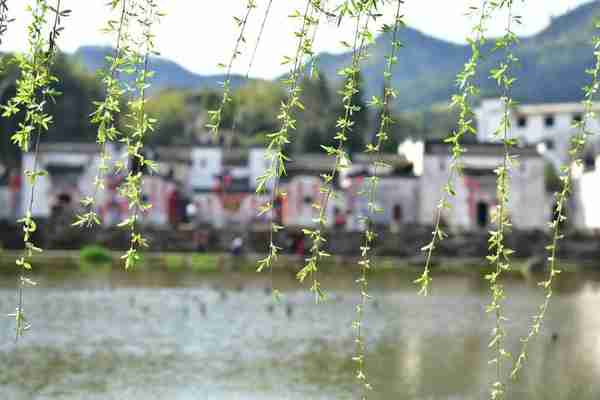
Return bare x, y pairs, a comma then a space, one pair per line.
158, 335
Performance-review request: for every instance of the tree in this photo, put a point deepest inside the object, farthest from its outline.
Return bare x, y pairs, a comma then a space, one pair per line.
70, 111
362, 127
318, 118
172, 111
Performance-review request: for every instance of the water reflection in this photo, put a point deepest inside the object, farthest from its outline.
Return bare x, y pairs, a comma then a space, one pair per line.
156, 335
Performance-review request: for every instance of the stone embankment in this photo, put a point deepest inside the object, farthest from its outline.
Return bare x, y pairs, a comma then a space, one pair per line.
405, 244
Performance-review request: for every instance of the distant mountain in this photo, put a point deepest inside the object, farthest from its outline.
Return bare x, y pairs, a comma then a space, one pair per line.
552, 69
553, 64
424, 74
169, 74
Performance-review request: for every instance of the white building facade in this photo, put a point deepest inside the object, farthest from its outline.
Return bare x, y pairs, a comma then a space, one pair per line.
476, 194
549, 126
585, 213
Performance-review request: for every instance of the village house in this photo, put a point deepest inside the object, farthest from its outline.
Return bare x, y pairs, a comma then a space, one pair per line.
302, 185
70, 175
585, 213
396, 194
71, 171
212, 187
476, 195
548, 126
222, 184
192, 184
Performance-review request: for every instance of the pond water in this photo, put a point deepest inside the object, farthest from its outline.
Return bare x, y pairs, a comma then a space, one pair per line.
182, 335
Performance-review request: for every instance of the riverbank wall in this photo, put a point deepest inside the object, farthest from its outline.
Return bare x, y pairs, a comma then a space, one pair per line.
405, 244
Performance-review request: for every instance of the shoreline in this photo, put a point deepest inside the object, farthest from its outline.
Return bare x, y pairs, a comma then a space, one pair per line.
224, 262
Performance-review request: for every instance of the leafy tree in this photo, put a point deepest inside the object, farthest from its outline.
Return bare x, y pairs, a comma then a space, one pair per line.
316, 122
256, 105
70, 111
362, 124
171, 109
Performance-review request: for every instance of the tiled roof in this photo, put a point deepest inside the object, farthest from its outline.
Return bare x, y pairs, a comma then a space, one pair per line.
481, 149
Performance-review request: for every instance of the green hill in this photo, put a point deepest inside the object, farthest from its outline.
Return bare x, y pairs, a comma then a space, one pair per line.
552, 65
552, 69
169, 74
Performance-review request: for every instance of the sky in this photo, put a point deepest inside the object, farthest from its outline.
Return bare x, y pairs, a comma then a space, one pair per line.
199, 36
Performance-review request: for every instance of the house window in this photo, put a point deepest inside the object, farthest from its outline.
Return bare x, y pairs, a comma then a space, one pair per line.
589, 162
522, 121
482, 214
397, 213
549, 121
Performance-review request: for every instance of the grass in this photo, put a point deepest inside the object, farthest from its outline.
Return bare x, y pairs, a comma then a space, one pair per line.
95, 255
203, 262
198, 262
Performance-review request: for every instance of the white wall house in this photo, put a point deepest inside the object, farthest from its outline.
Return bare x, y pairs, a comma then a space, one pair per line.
585, 213
71, 170
220, 201
257, 166
548, 125
476, 196
207, 165
396, 196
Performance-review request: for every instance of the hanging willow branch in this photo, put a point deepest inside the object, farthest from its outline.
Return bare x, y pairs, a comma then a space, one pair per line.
500, 254
578, 143
278, 140
33, 91
362, 38
313, 70
4, 18
215, 116
139, 125
461, 101
381, 137
253, 57
107, 111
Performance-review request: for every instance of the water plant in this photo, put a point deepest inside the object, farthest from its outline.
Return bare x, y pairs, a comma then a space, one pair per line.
95, 255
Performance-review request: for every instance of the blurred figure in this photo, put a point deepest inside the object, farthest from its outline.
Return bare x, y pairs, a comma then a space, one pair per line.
112, 214
201, 239
396, 219
236, 247
339, 219
173, 205
298, 246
